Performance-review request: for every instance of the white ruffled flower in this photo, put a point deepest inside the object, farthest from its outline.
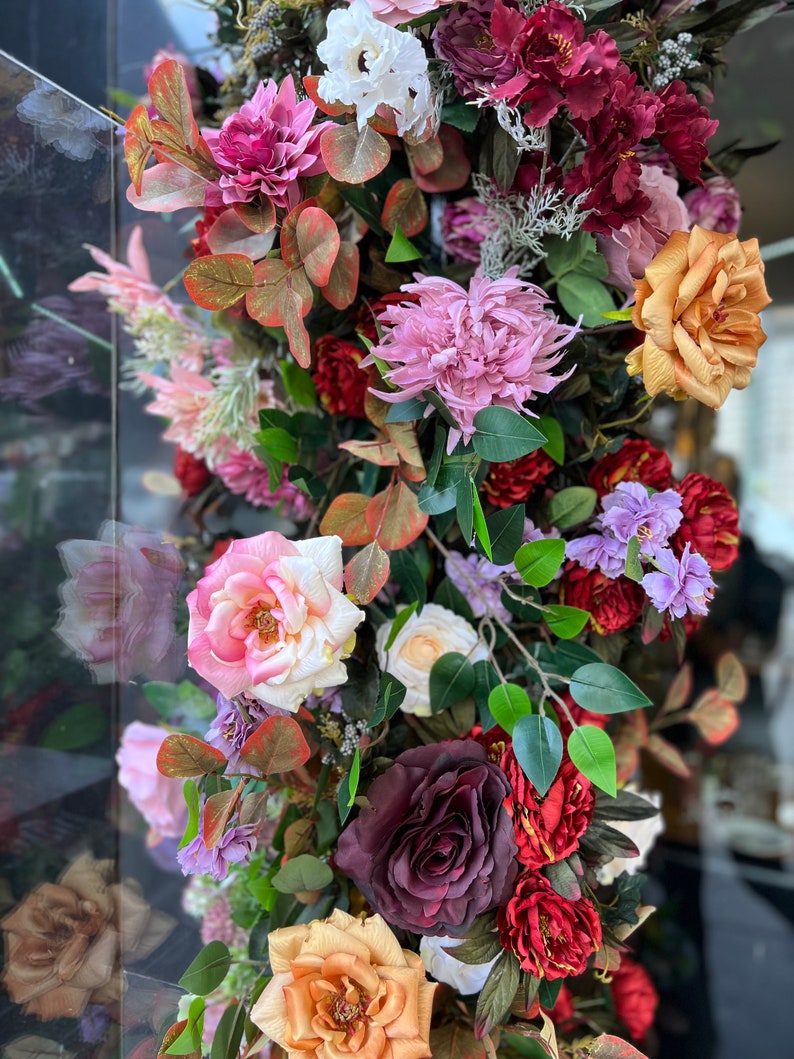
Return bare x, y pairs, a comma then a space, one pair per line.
370, 63
467, 978
643, 833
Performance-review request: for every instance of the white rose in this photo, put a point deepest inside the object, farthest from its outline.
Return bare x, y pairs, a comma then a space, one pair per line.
643, 833
467, 978
419, 644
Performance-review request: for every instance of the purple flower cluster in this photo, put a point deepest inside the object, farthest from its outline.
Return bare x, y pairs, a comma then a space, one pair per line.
680, 586
235, 846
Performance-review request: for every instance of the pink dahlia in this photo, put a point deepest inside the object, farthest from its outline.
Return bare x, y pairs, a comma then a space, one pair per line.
244, 474
267, 146
464, 225
493, 344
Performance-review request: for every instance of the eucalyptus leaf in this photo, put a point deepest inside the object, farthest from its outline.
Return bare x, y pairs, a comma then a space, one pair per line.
300, 873
208, 969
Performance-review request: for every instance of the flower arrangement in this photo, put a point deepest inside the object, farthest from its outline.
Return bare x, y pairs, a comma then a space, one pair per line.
417, 225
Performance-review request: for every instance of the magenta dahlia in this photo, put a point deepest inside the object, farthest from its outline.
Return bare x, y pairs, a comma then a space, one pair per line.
493, 344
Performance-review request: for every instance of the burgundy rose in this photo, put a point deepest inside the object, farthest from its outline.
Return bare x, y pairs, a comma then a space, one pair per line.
635, 998
636, 461
551, 937
192, 473
514, 482
682, 129
614, 603
464, 38
435, 847
547, 829
710, 523
341, 384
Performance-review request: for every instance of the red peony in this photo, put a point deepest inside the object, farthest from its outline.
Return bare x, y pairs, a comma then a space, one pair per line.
341, 384
547, 829
551, 937
513, 482
710, 523
199, 244
370, 311
614, 603
683, 128
636, 461
635, 998
192, 473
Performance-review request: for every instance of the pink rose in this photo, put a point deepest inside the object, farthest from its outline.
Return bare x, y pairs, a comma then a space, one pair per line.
715, 206
269, 618
629, 249
117, 611
394, 12
157, 798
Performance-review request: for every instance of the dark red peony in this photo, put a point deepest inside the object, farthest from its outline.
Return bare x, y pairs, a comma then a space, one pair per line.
710, 523
551, 937
513, 482
682, 129
636, 461
341, 384
192, 473
548, 828
635, 998
435, 847
614, 603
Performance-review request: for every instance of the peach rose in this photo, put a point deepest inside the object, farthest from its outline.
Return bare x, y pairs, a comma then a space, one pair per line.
269, 618
698, 306
344, 986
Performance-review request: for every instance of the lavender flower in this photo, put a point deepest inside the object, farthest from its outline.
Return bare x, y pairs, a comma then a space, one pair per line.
479, 582
229, 731
235, 846
630, 512
680, 585
602, 550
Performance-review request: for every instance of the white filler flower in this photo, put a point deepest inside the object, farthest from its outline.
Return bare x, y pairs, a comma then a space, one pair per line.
370, 63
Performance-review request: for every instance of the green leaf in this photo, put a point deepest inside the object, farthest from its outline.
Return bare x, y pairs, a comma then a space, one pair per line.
208, 969
547, 993
537, 744
585, 296
188, 1041
307, 482
391, 693
506, 530
193, 802
229, 1033
398, 622
275, 417
449, 595
78, 726
564, 255
508, 703
480, 525
538, 561
497, 994
263, 891
523, 601
405, 411
279, 444
634, 569
300, 873
442, 495
451, 679
571, 506
464, 507
485, 680
621, 315
298, 383
565, 622
591, 750
406, 573
401, 249
601, 688
461, 115
353, 778
564, 658
502, 435
555, 446
477, 950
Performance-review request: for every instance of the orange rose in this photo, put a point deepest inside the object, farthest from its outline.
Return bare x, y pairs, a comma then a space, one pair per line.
344, 986
698, 306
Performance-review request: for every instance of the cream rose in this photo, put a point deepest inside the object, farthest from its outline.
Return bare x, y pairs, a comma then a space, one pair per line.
467, 978
344, 986
419, 644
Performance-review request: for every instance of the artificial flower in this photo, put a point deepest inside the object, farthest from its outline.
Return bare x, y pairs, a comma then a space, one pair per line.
716, 205
551, 936
464, 225
466, 978
434, 847
698, 306
601, 550
235, 846
682, 128
339, 379
630, 511
422, 640
680, 586
393, 12
463, 36
635, 461
117, 605
514, 481
344, 986
370, 64
157, 798
269, 617
710, 521
191, 472
493, 344
635, 998
245, 474
614, 604
478, 580
547, 827
268, 147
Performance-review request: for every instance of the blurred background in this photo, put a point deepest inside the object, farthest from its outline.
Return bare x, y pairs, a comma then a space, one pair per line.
75, 451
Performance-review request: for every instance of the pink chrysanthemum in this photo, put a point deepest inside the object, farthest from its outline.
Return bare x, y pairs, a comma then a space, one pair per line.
244, 474
182, 400
493, 344
267, 146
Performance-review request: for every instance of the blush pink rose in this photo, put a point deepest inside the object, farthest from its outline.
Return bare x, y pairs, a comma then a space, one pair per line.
395, 12
628, 250
157, 798
269, 618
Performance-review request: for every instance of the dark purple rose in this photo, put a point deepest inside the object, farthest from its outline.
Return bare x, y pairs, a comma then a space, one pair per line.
435, 847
